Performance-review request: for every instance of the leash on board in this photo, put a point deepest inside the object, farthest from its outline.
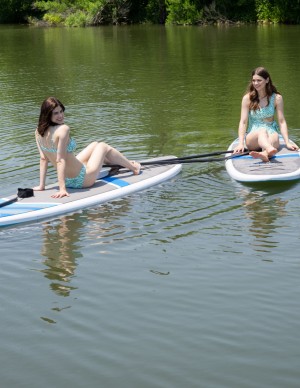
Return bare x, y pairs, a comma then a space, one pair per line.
22, 193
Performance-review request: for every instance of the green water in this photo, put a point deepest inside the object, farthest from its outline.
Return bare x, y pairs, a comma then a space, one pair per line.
194, 283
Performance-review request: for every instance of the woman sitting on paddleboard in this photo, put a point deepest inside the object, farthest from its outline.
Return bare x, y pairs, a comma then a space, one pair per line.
55, 145
257, 116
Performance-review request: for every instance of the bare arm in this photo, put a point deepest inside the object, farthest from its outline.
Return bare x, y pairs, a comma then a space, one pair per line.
43, 172
282, 122
243, 123
63, 139
43, 168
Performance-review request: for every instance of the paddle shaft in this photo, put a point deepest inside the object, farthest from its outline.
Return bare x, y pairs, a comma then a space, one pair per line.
215, 153
190, 160
182, 160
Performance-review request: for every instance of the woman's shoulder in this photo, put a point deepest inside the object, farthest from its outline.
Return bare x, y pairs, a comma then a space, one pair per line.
246, 99
277, 98
60, 133
62, 130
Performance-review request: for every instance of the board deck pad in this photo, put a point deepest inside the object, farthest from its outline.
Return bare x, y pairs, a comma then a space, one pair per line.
285, 165
106, 188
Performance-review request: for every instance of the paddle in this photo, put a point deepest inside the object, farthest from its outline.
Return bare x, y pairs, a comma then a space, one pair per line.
187, 159
215, 153
175, 160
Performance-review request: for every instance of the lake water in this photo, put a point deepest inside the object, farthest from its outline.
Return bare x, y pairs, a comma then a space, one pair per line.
194, 283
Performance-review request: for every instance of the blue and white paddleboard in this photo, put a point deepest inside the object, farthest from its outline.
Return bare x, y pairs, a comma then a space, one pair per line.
106, 188
284, 166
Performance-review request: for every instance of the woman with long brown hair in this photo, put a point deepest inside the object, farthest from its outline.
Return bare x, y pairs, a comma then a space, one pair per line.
258, 130
55, 145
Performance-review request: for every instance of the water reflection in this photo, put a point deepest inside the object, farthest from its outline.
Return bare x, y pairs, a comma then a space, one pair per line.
64, 239
264, 207
62, 247
61, 250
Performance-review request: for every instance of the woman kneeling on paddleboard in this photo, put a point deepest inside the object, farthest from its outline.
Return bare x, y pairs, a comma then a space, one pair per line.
55, 145
257, 116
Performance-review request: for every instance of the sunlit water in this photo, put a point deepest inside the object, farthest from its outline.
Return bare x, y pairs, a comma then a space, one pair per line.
193, 283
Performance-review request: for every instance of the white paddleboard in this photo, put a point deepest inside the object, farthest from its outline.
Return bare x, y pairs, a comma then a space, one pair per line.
284, 166
106, 188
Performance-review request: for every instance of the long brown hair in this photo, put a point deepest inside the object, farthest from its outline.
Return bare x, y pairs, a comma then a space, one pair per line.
47, 108
270, 88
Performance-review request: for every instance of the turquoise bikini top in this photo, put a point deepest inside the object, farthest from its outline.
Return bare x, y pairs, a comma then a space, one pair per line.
258, 118
266, 111
70, 148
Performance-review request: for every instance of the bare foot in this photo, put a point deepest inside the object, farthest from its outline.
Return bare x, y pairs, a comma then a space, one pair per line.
271, 151
38, 188
260, 155
137, 168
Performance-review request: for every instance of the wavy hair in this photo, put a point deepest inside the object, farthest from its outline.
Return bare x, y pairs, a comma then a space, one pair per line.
47, 108
270, 88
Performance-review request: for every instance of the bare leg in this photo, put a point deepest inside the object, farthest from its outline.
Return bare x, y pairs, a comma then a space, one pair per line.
115, 157
269, 143
86, 153
93, 157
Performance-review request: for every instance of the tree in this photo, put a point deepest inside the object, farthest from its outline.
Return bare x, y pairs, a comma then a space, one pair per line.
280, 11
15, 11
97, 12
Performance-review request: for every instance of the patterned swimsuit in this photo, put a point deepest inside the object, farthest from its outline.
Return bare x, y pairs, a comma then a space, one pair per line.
77, 182
257, 118
72, 183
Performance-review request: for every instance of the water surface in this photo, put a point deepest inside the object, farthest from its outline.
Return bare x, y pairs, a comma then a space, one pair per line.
194, 283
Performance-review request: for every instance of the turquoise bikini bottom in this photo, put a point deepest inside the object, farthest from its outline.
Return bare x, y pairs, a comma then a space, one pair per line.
77, 182
271, 127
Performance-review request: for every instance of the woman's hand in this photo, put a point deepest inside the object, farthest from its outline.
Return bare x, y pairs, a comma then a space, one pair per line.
239, 148
292, 146
61, 194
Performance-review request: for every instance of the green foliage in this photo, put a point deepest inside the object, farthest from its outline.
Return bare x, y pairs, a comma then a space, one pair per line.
267, 10
52, 6
182, 12
88, 13
53, 19
78, 19
78, 13
96, 12
156, 11
278, 11
118, 10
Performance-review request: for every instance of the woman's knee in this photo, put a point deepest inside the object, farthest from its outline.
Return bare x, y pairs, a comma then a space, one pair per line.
93, 145
104, 147
90, 147
275, 140
252, 140
263, 132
